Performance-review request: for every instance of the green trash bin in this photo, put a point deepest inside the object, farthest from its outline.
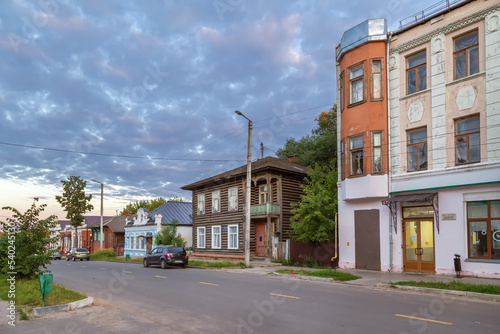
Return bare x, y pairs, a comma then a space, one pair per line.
45, 285
127, 257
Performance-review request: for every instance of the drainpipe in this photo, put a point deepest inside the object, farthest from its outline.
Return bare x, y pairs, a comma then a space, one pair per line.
389, 36
336, 238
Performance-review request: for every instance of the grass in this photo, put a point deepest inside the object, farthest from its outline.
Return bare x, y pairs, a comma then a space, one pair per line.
28, 294
329, 273
220, 264
454, 285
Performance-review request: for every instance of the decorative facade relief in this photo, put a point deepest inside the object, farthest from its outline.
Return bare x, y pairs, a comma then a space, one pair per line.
393, 64
415, 112
492, 23
466, 97
438, 44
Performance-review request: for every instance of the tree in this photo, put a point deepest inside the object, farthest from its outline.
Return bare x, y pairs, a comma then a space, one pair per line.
320, 147
169, 236
24, 244
74, 201
313, 219
132, 208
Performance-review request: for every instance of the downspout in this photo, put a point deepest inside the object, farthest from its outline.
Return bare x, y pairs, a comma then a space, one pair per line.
336, 239
389, 36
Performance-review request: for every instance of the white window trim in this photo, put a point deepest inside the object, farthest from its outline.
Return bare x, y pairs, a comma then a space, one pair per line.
229, 208
216, 194
229, 236
198, 229
220, 237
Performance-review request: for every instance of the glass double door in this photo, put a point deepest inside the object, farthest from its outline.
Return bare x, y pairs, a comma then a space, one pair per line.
419, 245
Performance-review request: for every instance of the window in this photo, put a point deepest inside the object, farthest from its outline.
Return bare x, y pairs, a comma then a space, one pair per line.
357, 155
132, 242
216, 237
416, 73
376, 152
232, 195
263, 194
417, 149
200, 237
232, 236
466, 55
356, 89
137, 243
377, 83
201, 204
342, 160
483, 220
215, 201
341, 91
467, 140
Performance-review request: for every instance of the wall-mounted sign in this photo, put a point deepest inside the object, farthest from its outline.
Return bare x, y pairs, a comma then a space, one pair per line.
449, 216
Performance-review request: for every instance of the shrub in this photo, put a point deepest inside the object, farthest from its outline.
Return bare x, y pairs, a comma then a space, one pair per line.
105, 253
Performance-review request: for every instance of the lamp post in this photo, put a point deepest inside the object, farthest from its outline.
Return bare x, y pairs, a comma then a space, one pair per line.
102, 201
249, 176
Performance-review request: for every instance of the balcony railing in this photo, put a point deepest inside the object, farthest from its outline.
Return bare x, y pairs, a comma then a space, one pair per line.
264, 209
438, 7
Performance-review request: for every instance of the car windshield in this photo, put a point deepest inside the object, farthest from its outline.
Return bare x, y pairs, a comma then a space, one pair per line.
80, 250
176, 249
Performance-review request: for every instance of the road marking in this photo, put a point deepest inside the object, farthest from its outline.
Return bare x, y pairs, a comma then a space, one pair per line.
209, 283
423, 319
161, 276
84, 266
102, 268
127, 272
276, 294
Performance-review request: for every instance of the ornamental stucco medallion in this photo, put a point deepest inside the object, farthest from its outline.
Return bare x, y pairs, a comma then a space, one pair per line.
465, 98
492, 23
415, 112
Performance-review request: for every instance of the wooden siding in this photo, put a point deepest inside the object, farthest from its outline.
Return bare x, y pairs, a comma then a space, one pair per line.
291, 194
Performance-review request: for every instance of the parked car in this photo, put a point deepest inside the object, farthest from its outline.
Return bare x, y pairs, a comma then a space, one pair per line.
57, 254
78, 253
165, 256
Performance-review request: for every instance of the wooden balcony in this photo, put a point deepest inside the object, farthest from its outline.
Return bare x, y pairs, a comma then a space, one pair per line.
264, 209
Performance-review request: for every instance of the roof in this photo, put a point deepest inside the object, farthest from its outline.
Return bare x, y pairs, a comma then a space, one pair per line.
182, 211
64, 223
116, 224
92, 221
369, 30
268, 163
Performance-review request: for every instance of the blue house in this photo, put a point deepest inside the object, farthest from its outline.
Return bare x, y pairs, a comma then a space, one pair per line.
141, 230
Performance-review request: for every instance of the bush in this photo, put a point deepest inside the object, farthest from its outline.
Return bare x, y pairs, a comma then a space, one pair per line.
169, 236
105, 253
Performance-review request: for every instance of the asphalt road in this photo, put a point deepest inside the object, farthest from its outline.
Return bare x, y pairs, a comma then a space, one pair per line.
213, 301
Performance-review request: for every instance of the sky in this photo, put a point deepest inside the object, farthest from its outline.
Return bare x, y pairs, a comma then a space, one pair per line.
140, 95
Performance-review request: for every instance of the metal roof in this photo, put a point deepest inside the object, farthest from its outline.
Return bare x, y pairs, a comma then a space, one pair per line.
182, 211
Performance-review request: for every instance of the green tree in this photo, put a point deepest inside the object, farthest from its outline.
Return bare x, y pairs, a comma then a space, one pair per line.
320, 147
24, 244
169, 236
313, 219
74, 201
152, 204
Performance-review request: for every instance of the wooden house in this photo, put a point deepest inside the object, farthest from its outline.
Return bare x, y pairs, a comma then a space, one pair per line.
219, 209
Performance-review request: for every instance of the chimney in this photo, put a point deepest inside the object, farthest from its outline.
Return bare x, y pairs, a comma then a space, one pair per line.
158, 217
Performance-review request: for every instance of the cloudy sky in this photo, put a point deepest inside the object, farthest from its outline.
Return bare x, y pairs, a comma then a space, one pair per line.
147, 89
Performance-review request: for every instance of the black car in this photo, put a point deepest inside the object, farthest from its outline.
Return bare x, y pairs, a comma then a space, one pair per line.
165, 256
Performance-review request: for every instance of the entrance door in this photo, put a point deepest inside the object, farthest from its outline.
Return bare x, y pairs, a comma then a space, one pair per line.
149, 244
419, 245
260, 234
367, 237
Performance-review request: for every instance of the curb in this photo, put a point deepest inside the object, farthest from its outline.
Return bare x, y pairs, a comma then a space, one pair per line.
307, 278
38, 311
484, 296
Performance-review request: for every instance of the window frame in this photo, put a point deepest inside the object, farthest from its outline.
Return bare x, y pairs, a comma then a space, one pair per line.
262, 192
232, 204
467, 63
362, 150
198, 238
372, 80
417, 145
216, 204
198, 206
381, 147
213, 234
478, 132
342, 159
416, 68
229, 236
488, 220
351, 81
342, 91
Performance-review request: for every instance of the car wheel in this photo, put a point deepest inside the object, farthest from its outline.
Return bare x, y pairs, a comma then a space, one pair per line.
163, 264
145, 263
81, 259
74, 259
184, 266
67, 258
88, 259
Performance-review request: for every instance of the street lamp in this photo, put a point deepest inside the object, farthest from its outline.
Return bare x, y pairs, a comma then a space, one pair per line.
102, 201
249, 176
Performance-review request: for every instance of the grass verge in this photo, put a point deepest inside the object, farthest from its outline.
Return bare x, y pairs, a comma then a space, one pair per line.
329, 273
454, 285
28, 295
116, 259
221, 264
